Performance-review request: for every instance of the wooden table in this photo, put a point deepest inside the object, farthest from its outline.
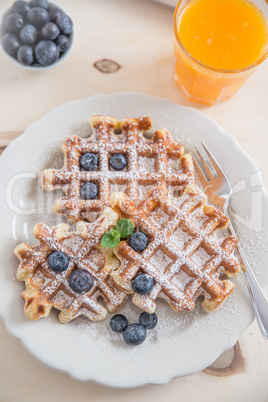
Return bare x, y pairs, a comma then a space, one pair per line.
137, 36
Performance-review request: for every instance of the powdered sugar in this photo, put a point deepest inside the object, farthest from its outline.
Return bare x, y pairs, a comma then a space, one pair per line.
147, 165
160, 260
62, 299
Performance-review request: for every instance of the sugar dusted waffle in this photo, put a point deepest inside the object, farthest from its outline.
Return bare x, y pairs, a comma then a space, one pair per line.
184, 257
149, 162
46, 288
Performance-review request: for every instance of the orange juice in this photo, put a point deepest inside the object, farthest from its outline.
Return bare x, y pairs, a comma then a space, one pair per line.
217, 45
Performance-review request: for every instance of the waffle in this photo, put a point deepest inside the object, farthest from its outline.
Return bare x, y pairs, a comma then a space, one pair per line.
46, 289
184, 256
150, 162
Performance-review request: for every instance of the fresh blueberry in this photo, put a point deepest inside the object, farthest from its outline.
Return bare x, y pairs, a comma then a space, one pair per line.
89, 191
50, 31
118, 323
14, 22
25, 55
63, 43
21, 7
64, 23
58, 261
81, 281
142, 284
118, 161
28, 34
148, 320
138, 241
38, 16
10, 44
53, 13
89, 161
46, 52
40, 3
134, 334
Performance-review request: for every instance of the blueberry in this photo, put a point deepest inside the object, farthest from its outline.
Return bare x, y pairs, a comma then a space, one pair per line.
10, 44
118, 161
25, 55
138, 241
14, 22
53, 13
46, 52
28, 34
89, 161
118, 323
134, 334
63, 43
64, 23
50, 31
38, 16
148, 320
21, 7
89, 191
40, 3
81, 281
58, 261
142, 284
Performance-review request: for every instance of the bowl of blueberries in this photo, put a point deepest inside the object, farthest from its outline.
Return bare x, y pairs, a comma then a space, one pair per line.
36, 34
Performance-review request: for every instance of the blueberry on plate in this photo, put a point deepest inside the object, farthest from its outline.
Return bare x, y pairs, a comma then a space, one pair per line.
88, 161
14, 22
38, 16
58, 261
149, 321
25, 55
21, 7
89, 191
63, 43
138, 241
53, 13
40, 3
28, 34
81, 281
134, 334
64, 23
142, 284
46, 52
50, 31
118, 323
10, 44
118, 161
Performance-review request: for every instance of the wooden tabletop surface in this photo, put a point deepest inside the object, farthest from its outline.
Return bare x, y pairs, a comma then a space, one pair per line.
136, 37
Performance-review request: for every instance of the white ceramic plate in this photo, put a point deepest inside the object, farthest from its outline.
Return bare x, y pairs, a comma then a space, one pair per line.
182, 343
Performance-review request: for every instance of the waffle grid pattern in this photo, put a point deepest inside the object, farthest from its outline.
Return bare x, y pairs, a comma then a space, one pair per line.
203, 278
104, 142
46, 289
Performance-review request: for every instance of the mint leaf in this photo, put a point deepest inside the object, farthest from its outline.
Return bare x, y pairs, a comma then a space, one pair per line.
110, 239
125, 227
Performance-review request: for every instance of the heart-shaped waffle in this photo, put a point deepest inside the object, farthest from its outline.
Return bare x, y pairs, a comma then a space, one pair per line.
184, 257
150, 162
46, 289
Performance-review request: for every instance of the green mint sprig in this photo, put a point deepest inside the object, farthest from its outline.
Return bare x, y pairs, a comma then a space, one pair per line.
121, 230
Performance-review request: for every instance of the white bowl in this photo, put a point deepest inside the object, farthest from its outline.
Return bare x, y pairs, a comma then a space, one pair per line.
38, 68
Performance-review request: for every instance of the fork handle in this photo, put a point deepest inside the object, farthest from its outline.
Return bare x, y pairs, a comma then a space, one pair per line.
258, 299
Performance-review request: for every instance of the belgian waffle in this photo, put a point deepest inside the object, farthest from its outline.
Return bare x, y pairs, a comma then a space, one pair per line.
46, 289
184, 256
150, 162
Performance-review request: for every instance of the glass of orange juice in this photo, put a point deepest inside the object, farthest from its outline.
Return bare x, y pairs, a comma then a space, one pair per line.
218, 44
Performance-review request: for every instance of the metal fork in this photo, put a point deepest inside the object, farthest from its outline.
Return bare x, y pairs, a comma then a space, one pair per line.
219, 192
